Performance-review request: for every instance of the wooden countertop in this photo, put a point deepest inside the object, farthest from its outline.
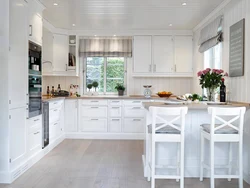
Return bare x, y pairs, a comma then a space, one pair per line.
194, 106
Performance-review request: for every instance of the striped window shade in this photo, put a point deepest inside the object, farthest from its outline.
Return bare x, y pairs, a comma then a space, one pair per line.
211, 35
106, 47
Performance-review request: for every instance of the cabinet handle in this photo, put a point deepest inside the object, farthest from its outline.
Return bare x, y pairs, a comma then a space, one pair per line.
136, 108
55, 103
93, 101
36, 119
94, 107
150, 68
94, 119
37, 133
115, 101
31, 30
115, 119
66, 67
55, 123
136, 119
175, 67
55, 110
154, 67
115, 107
136, 102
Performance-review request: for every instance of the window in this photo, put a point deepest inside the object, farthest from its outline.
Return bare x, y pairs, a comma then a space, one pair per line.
213, 57
107, 71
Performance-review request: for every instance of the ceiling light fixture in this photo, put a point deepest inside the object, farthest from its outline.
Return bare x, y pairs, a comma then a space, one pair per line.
55, 4
95, 35
170, 25
184, 4
73, 25
114, 35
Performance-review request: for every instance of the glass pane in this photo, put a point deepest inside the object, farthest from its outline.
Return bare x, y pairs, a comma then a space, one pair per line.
115, 73
95, 72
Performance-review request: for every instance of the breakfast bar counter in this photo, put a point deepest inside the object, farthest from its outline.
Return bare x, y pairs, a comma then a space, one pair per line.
197, 114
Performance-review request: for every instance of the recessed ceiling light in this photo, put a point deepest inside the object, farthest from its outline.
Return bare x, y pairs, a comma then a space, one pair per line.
114, 35
55, 4
184, 4
73, 25
95, 35
170, 25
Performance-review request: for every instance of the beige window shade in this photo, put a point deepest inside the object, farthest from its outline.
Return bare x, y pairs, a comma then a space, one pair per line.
211, 35
106, 47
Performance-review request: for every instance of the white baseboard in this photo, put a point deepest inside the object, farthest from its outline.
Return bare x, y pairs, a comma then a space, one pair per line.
108, 136
8, 177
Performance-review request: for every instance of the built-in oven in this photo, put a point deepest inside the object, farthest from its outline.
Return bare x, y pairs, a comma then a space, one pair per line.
35, 80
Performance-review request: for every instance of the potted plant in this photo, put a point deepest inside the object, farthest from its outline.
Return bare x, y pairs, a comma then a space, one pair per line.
95, 85
211, 80
120, 88
89, 86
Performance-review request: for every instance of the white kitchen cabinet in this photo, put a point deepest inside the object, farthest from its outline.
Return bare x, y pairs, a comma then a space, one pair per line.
18, 55
183, 54
142, 54
47, 54
133, 111
115, 125
17, 135
34, 135
115, 111
60, 53
93, 125
163, 54
95, 111
71, 110
35, 21
54, 130
133, 125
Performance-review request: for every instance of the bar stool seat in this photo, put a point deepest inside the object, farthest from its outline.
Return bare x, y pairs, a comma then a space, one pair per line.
224, 130
164, 130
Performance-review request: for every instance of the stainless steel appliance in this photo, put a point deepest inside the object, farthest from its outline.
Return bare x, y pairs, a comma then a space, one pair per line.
45, 130
35, 80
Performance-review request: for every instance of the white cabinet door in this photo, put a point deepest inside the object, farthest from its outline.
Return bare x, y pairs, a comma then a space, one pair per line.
47, 50
93, 125
60, 53
17, 135
53, 130
18, 55
35, 138
71, 115
115, 125
163, 54
36, 28
142, 54
184, 54
133, 125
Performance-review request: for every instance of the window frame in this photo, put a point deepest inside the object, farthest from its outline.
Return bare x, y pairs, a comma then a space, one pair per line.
104, 77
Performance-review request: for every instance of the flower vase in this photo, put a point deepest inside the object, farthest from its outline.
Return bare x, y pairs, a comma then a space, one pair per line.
211, 94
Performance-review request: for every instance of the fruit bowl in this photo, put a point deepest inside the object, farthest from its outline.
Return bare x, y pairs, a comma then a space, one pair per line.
164, 94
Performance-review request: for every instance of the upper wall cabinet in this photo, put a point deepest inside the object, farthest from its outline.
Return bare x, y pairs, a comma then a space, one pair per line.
35, 22
142, 54
163, 56
183, 54
47, 55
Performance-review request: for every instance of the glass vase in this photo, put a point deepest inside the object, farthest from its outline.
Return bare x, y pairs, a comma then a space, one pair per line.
211, 94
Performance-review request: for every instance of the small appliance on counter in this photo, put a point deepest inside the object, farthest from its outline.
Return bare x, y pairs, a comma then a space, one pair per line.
61, 93
147, 92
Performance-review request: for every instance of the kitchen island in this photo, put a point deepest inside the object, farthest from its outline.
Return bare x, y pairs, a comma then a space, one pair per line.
197, 115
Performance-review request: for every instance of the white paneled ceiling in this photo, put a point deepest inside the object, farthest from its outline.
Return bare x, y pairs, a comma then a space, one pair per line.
127, 14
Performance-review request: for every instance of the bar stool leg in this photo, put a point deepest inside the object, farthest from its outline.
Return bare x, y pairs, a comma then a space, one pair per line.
147, 157
153, 166
182, 165
230, 160
212, 164
240, 165
178, 161
201, 158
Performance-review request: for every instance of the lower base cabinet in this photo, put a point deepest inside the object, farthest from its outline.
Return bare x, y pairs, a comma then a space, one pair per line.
133, 125
115, 125
93, 125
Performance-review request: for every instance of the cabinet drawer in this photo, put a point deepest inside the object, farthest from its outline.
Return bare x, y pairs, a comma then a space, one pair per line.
93, 125
55, 104
132, 103
53, 130
115, 111
133, 125
34, 121
95, 102
35, 128
135, 111
115, 102
54, 115
115, 125
94, 111
35, 140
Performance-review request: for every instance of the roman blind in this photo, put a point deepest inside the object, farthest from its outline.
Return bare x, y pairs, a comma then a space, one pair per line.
211, 35
106, 47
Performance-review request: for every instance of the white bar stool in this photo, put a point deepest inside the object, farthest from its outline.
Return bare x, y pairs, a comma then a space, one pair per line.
163, 129
225, 132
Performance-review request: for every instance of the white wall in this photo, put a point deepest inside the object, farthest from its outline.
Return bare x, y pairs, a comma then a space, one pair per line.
233, 12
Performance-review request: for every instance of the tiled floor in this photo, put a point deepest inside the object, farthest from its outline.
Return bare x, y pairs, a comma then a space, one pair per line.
98, 164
